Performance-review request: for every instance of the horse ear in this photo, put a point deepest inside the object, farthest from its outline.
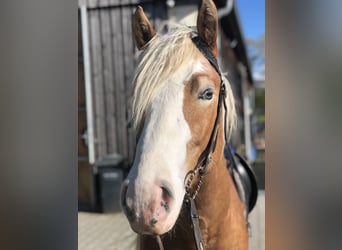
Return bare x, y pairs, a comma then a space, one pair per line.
143, 31
207, 23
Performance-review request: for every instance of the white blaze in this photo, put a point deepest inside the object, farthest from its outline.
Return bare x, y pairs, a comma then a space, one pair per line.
161, 150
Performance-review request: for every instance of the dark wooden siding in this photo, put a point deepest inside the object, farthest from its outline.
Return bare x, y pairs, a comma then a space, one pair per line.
113, 60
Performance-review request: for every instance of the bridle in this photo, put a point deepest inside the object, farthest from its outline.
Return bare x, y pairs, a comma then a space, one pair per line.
206, 156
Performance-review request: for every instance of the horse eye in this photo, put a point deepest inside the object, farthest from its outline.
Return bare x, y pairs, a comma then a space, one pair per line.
206, 95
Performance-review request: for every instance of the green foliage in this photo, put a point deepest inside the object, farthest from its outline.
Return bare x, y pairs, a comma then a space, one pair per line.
260, 100
261, 119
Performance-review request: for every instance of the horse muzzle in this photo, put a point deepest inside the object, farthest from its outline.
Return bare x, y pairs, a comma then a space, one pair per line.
148, 211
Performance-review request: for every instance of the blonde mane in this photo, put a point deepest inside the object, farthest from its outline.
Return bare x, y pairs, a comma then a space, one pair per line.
163, 59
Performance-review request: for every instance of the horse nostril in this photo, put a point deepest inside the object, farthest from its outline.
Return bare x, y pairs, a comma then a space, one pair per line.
126, 203
166, 193
124, 189
166, 198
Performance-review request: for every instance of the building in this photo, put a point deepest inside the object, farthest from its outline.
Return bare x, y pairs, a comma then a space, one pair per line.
107, 58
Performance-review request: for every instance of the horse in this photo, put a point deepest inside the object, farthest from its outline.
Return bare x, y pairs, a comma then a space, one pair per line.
179, 193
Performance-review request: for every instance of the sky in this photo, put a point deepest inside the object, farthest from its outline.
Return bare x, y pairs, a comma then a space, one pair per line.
252, 20
252, 17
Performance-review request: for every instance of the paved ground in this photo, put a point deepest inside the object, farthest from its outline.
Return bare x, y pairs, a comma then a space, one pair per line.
112, 231
105, 232
257, 221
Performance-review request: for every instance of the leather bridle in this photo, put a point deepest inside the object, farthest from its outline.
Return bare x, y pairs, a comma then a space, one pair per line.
206, 156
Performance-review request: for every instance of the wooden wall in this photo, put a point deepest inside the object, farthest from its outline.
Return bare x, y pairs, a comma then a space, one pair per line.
112, 61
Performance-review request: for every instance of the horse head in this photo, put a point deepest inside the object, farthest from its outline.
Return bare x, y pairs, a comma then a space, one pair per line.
175, 99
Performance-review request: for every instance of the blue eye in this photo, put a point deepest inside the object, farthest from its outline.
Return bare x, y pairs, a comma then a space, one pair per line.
206, 95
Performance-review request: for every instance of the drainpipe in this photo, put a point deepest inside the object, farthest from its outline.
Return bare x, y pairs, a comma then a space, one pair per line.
247, 111
221, 13
87, 81
226, 10
245, 98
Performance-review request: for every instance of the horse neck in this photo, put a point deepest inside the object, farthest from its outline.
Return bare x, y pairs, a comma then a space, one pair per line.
217, 182
219, 206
